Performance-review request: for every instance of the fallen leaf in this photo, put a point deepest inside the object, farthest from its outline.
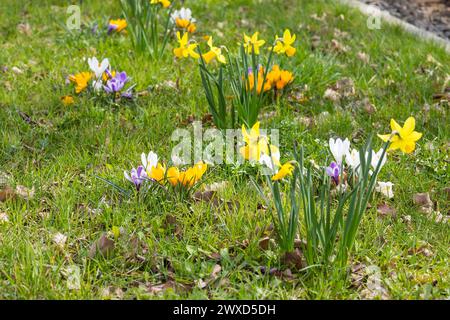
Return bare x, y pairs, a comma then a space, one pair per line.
24, 192
422, 199
59, 239
364, 57
103, 246
264, 243
293, 259
7, 194
24, 28
385, 210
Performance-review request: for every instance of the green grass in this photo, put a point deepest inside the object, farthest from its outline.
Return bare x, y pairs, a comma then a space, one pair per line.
61, 155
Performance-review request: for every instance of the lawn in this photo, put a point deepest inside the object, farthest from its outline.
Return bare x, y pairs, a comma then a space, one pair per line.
177, 248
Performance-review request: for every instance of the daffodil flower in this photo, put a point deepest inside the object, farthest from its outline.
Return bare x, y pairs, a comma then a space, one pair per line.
403, 138
284, 45
257, 145
164, 3
214, 53
253, 43
185, 50
285, 170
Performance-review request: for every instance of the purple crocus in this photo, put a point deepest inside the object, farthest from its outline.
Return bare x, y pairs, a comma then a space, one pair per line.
115, 84
137, 176
333, 171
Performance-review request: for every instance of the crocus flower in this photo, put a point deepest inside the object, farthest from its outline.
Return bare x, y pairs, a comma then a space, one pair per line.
376, 156
333, 171
253, 43
81, 80
260, 80
115, 84
117, 25
183, 19
136, 177
186, 178
385, 188
403, 138
97, 67
214, 53
185, 49
280, 78
284, 45
67, 100
339, 149
352, 159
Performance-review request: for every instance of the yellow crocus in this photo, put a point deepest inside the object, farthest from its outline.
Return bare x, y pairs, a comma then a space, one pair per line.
186, 24
117, 25
285, 170
186, 178
284, 45
164, 3
403, 138
81, 80
214, 53
67, 100
253, 43
260, 80
185, 50
157, 173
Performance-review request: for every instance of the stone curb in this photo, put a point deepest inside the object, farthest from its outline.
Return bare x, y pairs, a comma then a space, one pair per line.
371, 10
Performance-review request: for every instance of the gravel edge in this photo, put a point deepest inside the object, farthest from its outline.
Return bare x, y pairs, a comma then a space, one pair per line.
371, 10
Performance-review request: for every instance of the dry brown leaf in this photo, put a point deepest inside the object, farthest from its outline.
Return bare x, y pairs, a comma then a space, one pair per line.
6, 194
385, 210
264, 243
24, 28
24, 192
293, 259
423, 199
103, 246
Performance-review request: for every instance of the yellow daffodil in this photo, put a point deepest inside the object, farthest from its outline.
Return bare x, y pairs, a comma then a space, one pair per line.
81, 80
402, 138
185, 50
252, 43
257, 145
214, 53
280, 78
67, 100
285, 170
117, 25
284, 45
164, 3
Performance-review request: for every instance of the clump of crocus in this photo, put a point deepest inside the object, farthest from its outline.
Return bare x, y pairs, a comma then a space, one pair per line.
186, 178
183, 20
279, 78
403, 138
117, 25
261, 82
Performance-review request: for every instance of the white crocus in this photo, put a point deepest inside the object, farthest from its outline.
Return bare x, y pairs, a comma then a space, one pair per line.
352, 159
376, 156
150, 161
385, 188
339, 149
98, 68
266, 160
183, 13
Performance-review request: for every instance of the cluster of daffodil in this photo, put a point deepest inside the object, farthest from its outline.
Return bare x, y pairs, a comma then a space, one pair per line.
151, 170
330, 230
100, 79
257, 149
242, 73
